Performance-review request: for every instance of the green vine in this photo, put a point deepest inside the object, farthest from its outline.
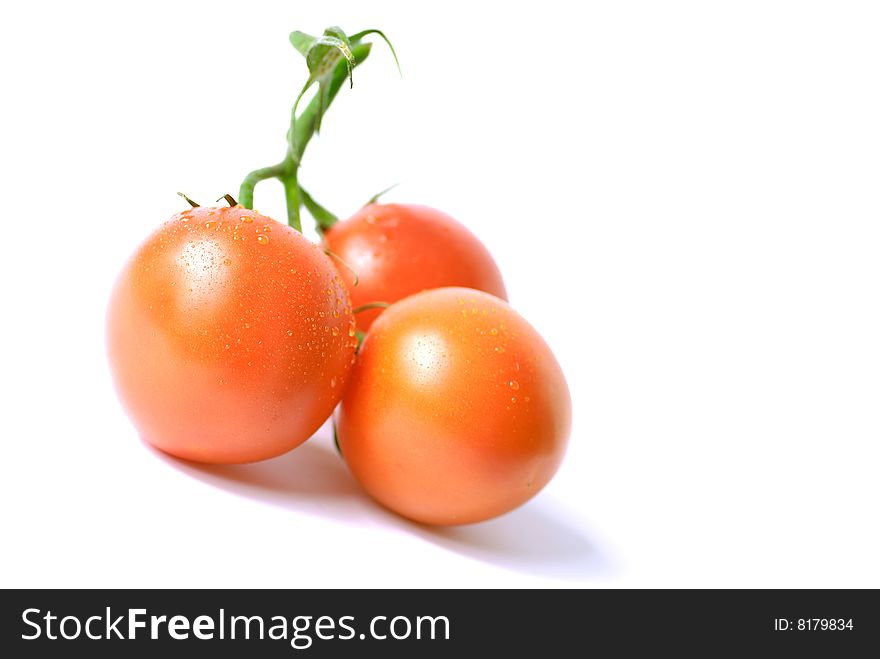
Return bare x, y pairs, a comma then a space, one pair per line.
331, 60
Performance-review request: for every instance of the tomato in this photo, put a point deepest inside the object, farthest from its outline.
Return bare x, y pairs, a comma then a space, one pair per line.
230, 336
457, 410
400, 249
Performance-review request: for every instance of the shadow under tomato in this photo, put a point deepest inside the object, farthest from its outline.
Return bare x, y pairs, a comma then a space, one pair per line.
534, 539
531, 540
310, 479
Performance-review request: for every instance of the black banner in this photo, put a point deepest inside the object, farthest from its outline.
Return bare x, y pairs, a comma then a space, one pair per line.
289, 623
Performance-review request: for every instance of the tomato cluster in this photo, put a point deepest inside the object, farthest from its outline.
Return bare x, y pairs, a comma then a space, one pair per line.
232, 338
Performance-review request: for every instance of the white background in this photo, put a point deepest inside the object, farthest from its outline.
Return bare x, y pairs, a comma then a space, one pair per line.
683, 197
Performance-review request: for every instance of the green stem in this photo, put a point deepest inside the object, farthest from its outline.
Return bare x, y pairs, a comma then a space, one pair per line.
291, 196
324, 218
246, 191
302, 128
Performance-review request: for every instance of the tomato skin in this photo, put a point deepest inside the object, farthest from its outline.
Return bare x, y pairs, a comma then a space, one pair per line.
457, 411
230, 337
401, 249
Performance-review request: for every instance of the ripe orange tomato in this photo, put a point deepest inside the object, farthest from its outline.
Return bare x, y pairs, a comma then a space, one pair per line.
457, 410
230, 336
400, 249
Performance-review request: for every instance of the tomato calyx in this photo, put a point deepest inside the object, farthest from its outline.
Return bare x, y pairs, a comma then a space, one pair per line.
331, 59
370, 305
375, 198
189, 201
336, 436
333, 255
228, 197
360, 334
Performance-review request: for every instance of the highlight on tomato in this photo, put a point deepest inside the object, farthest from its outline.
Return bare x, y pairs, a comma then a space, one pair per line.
456, 411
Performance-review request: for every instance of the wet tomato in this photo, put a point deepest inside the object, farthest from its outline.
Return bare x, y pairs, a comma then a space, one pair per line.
400, 249
230, 336
457, 410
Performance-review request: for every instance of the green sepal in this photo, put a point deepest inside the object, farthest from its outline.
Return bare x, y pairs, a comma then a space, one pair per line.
376, 196
360, 35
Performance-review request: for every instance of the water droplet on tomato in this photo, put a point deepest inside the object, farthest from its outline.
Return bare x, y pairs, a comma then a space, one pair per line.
514, 385
499, 349
335, 331
227, 261
247, 218
332, 382
263, 239
351, 331
267, 228
494, 331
